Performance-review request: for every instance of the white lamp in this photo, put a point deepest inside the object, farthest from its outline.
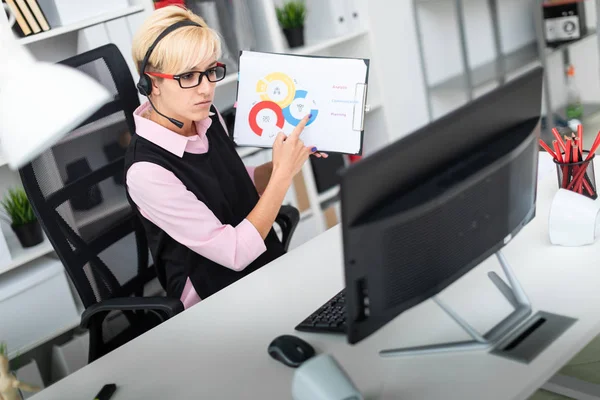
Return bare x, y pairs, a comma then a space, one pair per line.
323, 378
40, 102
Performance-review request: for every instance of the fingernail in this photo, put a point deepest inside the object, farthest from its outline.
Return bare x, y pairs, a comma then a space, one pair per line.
314, 149
309, 116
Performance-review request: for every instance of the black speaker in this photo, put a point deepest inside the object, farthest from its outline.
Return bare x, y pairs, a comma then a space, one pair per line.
112, 151
326, 171
92, 197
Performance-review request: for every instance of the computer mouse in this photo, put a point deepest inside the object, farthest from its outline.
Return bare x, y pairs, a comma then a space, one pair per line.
290, 350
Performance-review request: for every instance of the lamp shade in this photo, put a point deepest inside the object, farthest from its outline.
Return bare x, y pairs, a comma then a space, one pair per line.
41, 104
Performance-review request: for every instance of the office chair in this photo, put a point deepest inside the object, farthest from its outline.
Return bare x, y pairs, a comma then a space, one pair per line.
83, 224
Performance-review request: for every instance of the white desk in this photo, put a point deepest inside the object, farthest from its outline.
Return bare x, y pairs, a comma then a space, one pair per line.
217, 349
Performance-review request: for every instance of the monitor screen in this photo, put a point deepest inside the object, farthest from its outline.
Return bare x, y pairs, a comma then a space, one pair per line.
420, 213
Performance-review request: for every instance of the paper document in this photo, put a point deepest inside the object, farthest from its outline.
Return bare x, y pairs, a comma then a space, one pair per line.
275, 91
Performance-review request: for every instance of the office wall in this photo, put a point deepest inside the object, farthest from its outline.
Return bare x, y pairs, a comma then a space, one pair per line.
395, 57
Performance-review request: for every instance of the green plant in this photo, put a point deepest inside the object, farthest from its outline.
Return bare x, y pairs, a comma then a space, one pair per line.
3, 349
17, 206
292, 14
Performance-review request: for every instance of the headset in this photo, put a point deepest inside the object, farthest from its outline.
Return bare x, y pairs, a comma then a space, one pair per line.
144, 85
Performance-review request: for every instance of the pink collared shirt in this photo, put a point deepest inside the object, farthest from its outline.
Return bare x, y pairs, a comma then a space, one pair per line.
164, 200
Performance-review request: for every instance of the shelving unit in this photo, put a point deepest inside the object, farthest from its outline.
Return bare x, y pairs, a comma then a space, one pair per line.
64, 329
95, 126
314, 48
101, 19
353, 43
54, 45
21, 256
111, 205
492, 71
482, 51
554, 108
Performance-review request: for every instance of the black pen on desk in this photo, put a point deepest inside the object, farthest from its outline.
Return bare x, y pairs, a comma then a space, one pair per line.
106, 392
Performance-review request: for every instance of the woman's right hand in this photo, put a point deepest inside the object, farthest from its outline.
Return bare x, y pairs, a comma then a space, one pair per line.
290, 153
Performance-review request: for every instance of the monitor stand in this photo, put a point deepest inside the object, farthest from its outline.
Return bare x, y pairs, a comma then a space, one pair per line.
517, 336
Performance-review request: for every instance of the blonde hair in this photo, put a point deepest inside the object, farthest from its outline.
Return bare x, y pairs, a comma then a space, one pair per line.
179, 51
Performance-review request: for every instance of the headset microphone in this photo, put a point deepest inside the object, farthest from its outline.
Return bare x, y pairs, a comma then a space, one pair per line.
177, 123
144, 85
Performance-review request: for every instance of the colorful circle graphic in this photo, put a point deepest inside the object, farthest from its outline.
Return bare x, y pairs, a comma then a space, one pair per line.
278, 88
253, 117
298, 107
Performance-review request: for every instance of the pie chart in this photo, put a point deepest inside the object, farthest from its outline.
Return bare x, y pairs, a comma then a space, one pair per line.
298, 109
265, 114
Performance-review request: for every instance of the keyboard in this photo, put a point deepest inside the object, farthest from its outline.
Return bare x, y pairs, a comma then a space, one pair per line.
329, 318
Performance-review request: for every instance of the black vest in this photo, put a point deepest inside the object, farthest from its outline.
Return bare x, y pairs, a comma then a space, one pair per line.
220, 180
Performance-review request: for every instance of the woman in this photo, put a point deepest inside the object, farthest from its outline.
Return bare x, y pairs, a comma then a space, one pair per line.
206, 224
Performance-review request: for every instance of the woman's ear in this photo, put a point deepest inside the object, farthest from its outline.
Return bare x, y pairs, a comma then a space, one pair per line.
155, 88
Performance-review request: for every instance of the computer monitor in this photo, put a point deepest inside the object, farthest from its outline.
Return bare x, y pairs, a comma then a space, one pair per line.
420, 213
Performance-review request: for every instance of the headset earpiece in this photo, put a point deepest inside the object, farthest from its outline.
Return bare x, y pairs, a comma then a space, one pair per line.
144, 85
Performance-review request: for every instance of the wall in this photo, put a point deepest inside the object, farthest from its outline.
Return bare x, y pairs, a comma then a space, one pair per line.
395, 59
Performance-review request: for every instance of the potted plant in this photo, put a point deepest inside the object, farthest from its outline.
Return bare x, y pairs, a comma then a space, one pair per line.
291, 19
22, 218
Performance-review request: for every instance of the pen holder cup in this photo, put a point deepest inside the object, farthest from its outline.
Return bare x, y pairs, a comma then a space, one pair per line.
573, 219
578, 177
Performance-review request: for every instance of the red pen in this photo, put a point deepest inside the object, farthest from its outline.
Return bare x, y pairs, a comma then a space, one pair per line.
558, 138
548, 149
580, 138
557, 151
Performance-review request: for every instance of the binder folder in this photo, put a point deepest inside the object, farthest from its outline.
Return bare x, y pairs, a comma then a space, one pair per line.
326, 19
275, 91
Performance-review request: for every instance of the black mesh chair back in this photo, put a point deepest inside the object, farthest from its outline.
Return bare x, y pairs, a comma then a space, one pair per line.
77, 191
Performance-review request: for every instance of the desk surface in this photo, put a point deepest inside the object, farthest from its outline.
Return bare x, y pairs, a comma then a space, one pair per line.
218, 348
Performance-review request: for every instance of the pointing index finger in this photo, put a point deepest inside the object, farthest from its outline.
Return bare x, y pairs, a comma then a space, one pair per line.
300, 127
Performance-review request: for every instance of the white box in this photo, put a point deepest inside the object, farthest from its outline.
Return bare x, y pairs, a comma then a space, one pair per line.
36, 303
66, 12
70, 357
30, 374
325, 20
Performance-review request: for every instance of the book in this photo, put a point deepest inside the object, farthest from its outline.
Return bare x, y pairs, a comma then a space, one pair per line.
38, 14
275, 91
22, 28
35, 27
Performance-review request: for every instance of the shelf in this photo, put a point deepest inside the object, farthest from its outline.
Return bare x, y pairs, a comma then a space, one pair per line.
61, 30
589, 110
109, 206
550, 50
306, 214
229, 78
14, 353
324, 198
329, 194
312, 48
21, 256
95, 126
491, 71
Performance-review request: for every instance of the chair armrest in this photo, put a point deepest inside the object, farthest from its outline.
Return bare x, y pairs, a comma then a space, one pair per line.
288, 219
163, 307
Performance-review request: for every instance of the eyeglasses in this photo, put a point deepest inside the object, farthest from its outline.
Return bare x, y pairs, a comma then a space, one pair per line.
192, 79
